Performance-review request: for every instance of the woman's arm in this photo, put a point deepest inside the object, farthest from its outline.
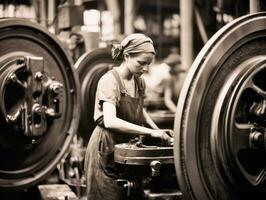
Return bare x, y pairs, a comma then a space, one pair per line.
168, 97
122, 126
148, 120
168, 100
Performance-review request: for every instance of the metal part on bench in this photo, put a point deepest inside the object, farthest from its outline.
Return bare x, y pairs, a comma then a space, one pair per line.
147, 171
130, 154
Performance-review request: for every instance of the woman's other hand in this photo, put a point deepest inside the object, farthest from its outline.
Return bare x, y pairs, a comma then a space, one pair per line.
165, 136
160, 134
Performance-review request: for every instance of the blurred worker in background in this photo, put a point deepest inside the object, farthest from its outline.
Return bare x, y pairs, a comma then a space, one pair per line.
161, 83
119, 115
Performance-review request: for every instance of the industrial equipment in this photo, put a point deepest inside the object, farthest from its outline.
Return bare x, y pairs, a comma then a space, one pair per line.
148, 170
219, 142
39, 103
219, 150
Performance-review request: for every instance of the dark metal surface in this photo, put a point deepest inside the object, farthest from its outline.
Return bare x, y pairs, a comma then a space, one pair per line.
39, 97
91, 66
39, 103
219, 145
147, 172
130, 154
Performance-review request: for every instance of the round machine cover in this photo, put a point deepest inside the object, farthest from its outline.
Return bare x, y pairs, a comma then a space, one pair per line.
39, 103
219, 143
91, 66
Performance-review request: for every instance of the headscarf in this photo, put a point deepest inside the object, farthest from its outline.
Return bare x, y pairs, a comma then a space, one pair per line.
133, 43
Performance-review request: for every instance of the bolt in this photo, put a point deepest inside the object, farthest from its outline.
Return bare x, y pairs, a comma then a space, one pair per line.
55, 87
37, 108
50, 112
256, 139
39, 76
13, 77
259, 109
155, 167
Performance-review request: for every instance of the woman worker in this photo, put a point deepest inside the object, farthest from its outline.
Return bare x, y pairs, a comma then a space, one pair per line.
119, 115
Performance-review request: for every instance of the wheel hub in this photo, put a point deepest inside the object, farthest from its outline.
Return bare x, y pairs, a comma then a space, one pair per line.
38, 97
39, 103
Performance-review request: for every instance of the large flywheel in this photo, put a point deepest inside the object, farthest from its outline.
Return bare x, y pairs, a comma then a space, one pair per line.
220, 124
39, 103
91, 66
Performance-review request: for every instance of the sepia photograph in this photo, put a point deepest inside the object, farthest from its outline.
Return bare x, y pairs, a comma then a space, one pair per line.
132, 100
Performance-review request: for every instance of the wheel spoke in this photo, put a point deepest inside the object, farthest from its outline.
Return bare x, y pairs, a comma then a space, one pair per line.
257, 89
240, 136
14, 79
261, 177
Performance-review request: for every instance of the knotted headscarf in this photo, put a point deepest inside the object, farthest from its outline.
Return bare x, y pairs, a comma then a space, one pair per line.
134, 43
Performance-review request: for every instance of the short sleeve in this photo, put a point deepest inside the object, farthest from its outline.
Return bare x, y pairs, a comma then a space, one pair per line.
108, 90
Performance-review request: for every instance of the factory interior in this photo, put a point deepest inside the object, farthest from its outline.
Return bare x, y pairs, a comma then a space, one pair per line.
132, 100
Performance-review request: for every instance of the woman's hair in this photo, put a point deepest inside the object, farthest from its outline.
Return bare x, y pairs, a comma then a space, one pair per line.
133, 44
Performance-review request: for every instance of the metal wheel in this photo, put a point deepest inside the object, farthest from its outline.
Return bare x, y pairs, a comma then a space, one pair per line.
39, 103
220, 122
91, 66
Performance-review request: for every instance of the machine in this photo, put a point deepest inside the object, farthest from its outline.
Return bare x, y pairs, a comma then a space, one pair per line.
220, 121
219, 141
39, 104
148, 168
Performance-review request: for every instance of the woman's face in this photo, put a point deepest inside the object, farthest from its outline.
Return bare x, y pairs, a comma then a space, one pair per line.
139, 63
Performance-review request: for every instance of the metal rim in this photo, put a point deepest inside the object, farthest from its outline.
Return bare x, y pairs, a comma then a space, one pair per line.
90, 67
237, 111
200, 176
130, 154
25, 173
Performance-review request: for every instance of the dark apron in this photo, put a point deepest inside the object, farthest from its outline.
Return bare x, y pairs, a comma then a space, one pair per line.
101, 171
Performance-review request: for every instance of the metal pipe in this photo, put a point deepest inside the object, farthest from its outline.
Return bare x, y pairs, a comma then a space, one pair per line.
129, 16
254, 6
202, 30
186, 36
43, 15
220, 5
113, 7
51, 12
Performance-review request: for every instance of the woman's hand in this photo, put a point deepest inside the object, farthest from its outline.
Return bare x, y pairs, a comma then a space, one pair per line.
169, 132
160, 134
165, 135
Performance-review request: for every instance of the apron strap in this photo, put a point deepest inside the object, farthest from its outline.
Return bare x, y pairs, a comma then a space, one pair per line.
139, 82
117, 77
140, 85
